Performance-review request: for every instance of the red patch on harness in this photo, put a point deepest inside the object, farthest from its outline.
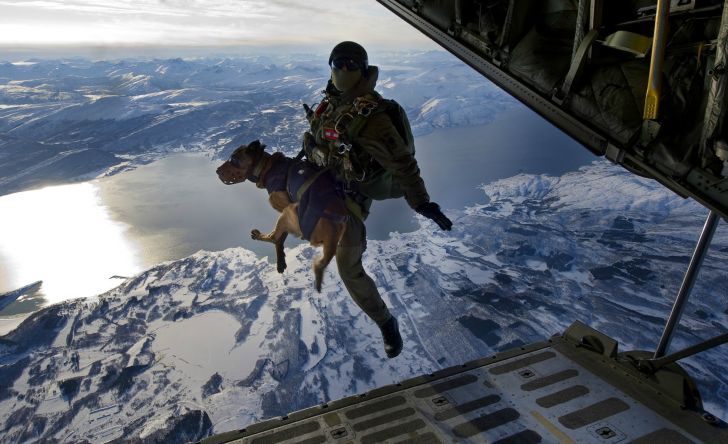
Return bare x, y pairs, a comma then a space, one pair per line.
331, 134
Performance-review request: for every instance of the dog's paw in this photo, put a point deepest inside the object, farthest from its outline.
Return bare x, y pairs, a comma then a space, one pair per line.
319, 278
281, 267
255, 234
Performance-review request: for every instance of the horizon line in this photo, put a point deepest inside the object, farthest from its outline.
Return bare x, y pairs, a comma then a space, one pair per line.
100, 51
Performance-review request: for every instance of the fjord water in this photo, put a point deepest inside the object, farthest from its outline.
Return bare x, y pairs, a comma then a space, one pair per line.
80, 239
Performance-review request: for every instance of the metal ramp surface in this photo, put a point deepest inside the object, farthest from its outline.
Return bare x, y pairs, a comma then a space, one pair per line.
557, 391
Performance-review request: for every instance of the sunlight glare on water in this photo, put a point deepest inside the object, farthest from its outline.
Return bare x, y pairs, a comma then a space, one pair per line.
64, 236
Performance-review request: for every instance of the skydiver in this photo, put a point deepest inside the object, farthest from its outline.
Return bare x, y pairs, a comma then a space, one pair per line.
368, 142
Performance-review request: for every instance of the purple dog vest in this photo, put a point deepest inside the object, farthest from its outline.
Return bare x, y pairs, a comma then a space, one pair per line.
289, 175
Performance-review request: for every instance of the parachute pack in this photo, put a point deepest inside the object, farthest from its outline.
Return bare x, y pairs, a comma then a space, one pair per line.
396, 114
380, 184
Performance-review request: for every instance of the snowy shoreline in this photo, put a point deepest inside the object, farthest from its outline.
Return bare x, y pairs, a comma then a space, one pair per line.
494, 282
77, 118
218, 339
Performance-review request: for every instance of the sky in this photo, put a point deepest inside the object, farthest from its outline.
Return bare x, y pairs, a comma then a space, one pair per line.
254, 24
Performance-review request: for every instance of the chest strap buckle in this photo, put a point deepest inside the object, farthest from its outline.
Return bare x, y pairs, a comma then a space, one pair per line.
364, 106
344, 148
342, 122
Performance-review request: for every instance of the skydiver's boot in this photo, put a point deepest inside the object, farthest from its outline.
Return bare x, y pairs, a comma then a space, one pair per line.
391, 337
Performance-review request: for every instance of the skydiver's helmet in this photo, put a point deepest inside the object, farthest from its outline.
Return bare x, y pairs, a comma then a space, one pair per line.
349, 63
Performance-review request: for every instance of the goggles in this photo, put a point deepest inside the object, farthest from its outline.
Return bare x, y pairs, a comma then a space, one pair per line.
350, 64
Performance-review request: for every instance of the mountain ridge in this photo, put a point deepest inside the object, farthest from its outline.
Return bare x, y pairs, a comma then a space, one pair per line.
219, 339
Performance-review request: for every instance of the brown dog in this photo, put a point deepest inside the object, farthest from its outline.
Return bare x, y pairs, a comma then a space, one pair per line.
311, 204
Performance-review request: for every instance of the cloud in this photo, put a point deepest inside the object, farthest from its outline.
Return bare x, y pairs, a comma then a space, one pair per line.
94, 8
198, 22
174, 8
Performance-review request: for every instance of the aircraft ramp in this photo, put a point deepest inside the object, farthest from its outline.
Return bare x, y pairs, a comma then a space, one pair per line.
573, 388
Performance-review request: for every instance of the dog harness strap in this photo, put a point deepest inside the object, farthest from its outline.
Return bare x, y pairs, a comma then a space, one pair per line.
307, 184
261, 163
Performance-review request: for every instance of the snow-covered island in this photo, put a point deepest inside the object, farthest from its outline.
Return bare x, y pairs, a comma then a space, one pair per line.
217, 340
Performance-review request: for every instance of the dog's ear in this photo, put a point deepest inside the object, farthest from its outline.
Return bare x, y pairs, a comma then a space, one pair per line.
256, 147
239, 149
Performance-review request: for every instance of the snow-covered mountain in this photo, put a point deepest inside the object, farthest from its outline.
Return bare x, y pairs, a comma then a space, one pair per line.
11, 296
217, 340
74, 119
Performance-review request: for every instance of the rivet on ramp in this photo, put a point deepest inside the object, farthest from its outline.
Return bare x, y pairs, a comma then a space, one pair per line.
606, 433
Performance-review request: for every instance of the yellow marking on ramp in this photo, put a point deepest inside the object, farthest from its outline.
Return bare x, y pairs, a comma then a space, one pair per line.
561, 436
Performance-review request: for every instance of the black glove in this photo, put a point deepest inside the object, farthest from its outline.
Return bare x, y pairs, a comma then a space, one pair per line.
431, 210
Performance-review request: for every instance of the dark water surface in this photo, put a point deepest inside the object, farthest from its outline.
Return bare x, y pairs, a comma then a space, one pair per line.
176, 206
456, 161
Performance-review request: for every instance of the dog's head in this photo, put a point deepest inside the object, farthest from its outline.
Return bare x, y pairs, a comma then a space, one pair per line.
241, 164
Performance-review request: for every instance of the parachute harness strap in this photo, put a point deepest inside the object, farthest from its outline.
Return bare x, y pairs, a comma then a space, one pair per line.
355, 209
364, 105
348, 125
